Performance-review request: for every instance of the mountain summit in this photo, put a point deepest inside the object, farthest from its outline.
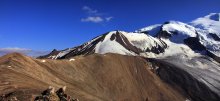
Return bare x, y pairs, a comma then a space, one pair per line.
199, 37
210, 23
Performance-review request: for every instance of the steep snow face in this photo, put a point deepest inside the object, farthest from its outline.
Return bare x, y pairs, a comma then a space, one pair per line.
208, 28
207, 39
130, 44
143, 41
173, 33
178, 31
111, 46
210, 23
177, 49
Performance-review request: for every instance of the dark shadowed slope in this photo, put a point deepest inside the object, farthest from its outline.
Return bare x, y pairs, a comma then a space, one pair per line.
95, 77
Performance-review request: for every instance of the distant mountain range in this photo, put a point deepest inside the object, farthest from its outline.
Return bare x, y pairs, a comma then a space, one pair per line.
199, 37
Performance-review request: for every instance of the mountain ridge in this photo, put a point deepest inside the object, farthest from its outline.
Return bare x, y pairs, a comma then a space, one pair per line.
158, 40
107, 77
95, 77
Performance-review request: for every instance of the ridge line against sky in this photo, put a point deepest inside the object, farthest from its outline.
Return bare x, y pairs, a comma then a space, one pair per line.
48, 24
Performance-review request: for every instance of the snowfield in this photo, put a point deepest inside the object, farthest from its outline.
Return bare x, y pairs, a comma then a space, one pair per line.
207, 27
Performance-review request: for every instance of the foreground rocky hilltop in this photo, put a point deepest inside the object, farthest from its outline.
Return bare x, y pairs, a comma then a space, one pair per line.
109, 77
91, 78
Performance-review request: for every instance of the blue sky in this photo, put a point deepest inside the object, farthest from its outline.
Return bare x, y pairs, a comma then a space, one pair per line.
48, 24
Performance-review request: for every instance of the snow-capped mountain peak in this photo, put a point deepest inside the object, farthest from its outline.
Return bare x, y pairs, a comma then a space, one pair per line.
151, 30
210, 23
201, 36
175, 31
208, 28
178, 31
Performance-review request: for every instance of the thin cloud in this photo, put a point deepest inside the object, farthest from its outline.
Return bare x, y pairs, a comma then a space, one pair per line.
108, 18
96, 19
89, 10
94, 16
29, 52
14, 49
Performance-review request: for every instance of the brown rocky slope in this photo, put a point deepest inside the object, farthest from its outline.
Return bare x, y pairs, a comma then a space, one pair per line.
109, 77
